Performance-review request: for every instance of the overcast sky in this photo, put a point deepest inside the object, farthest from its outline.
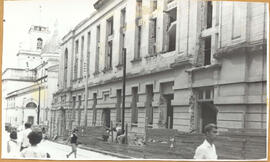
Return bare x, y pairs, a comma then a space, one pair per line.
20, 15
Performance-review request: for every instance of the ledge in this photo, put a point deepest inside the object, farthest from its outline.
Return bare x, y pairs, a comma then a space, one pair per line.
135, 60
181, 61
119, 66
242, 48
106, 70
213, 66
96, 73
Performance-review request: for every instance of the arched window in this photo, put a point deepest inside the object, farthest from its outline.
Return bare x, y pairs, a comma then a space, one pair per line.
31, 105
39, 43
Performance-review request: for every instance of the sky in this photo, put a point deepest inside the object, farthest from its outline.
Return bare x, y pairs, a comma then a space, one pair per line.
21, 14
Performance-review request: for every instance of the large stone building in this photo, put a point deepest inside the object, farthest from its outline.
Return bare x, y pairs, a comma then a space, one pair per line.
31, 84
188, 63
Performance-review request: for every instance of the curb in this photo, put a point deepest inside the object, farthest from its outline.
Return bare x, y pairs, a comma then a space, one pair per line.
99, 151
105, 152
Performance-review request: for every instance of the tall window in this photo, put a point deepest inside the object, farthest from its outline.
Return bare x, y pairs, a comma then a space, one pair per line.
149, 100
73, 106
94, 108
88, 52
207, 51
81, 57
122, 35
76, 59
110, 26
39, 43
65, 67
134, 111
97, 50
109, 46
109, 55
154, 5
209, 14
79, 109
152, 36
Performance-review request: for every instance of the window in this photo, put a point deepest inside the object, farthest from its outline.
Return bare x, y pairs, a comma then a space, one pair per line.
170, 25
81, 57
209, 14
39, 43
109, 46
138, 55
65, 67
97, 50
149, 107
207, 51
110, 26
152, 36
80, 102
122, 35
105, 96
205, 94
109, 55
76, 46
134, 111
76, 59
94, 109
88, 52
154, 5
73, 102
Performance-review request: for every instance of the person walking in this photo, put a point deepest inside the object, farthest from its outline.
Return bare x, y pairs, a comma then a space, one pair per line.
207, 149
13, 147
74, 142
34, 151
25, 133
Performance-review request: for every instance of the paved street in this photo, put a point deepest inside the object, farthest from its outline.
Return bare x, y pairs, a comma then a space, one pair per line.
59, 151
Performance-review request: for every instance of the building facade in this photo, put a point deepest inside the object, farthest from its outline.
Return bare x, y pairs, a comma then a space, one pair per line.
188, 63
27, 89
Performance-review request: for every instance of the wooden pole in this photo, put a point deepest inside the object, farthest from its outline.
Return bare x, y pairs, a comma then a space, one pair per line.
124, 89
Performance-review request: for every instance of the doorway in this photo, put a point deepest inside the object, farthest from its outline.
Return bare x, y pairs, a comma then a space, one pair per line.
106, 117
30, 120
208, 114
169, 117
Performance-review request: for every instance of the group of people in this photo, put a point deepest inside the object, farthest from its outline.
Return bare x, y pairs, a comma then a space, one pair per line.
27, 146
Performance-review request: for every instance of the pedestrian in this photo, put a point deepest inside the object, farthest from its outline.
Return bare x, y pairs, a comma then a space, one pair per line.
13, 147
74, 142
35, 151
207, 149
25, 141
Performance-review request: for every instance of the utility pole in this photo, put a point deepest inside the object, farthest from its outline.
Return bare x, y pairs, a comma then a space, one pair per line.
124, 89
38, 111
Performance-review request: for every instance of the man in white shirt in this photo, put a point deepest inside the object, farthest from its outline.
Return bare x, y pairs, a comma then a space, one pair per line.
25, 133
207, 149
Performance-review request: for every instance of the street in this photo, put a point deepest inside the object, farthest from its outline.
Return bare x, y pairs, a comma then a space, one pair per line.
59, 151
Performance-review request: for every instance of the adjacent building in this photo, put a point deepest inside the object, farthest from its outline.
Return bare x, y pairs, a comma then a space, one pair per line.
188, 63
27, 89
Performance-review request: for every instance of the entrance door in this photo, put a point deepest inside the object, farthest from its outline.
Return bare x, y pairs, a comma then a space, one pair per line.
208, 113
106, 115
30, 119
169, 118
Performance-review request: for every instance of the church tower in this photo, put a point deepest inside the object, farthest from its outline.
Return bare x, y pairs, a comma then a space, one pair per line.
29, 55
